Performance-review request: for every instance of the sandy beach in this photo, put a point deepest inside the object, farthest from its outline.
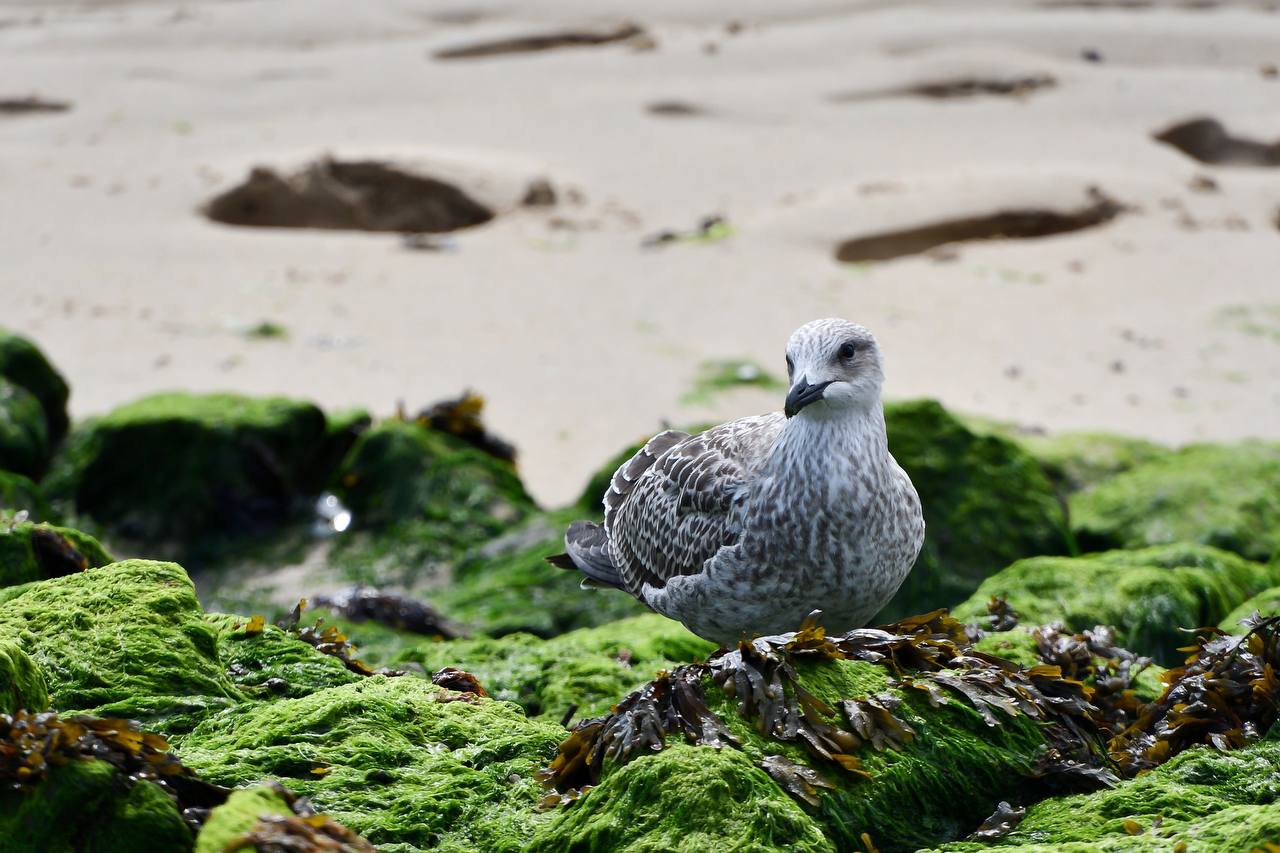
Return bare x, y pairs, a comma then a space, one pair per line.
802, 125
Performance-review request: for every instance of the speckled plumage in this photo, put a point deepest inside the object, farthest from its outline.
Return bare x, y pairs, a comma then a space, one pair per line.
748, 527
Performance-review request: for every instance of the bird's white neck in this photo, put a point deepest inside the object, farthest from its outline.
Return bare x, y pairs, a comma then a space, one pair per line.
834, 435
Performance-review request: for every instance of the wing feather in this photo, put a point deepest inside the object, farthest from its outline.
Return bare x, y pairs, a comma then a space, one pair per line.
675, 513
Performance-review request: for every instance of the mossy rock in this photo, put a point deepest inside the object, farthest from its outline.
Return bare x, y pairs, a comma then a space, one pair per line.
1227, 496
936, 788
507, 586
90, 807
587, 669
238, 815
986, 503
687, 799
1266, 602
175, 465
23, 364
1149, 594
273, 664
33, 552
21, 681
1075, 461
21, 494
420, 498
1202, 799
24, 435
125, 640
406, 764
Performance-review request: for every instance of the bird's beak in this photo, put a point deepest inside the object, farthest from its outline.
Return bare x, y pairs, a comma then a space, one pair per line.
801, 395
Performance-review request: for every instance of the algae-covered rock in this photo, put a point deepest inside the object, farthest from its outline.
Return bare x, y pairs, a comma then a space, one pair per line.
406, 764
21, 494
238, 815
935, 785
32, 552
176, 465
688, 799
1147, 594
986, 504
1203, 800
420, 498
507, 586
21, 681
23, 364
1073, 460
587, 669
125, 640
1266, 603
90, 807
1227, 496
267, 663
24, 435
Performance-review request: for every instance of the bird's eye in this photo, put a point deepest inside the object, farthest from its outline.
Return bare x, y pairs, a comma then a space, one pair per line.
847, 350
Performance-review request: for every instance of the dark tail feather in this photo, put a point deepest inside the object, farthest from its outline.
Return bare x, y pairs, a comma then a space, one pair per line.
562, 561
587, 549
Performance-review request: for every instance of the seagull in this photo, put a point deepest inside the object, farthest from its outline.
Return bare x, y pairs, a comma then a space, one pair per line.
747, 528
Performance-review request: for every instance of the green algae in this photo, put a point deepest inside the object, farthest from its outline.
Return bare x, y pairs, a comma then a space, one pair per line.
587, 669
176, 465
720, 375
22, 683
24, 436
1227, 496
32, 552
125, 640
937, 786
89, 807
23, 364
420, 498
238, 815
406, 764
1205, 799
507, 586
21, 494
1074, 461
1266, 602
272, 663
688, 799
1149, 594
986, 503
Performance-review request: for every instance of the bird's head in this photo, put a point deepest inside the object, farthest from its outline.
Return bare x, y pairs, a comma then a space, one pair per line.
834, 368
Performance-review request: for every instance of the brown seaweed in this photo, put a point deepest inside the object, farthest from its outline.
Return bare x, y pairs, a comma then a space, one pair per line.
1226, 694
31, 745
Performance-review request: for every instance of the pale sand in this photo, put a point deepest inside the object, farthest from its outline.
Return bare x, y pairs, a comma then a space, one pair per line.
582, 341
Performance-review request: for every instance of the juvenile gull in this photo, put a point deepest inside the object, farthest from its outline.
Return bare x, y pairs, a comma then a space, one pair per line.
746, 528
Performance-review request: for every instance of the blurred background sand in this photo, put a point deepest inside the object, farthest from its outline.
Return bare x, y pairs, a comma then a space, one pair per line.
800, 124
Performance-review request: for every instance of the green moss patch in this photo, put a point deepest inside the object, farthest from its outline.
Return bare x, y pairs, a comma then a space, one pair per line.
32, 552
23, 364
1227, 496
24, 435
1147, 594
587, 669
1203, 799
986, 504
406, 764
177, 465
125, 640
1266, 602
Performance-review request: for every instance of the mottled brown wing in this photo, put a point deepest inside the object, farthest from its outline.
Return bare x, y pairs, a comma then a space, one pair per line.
676, 514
